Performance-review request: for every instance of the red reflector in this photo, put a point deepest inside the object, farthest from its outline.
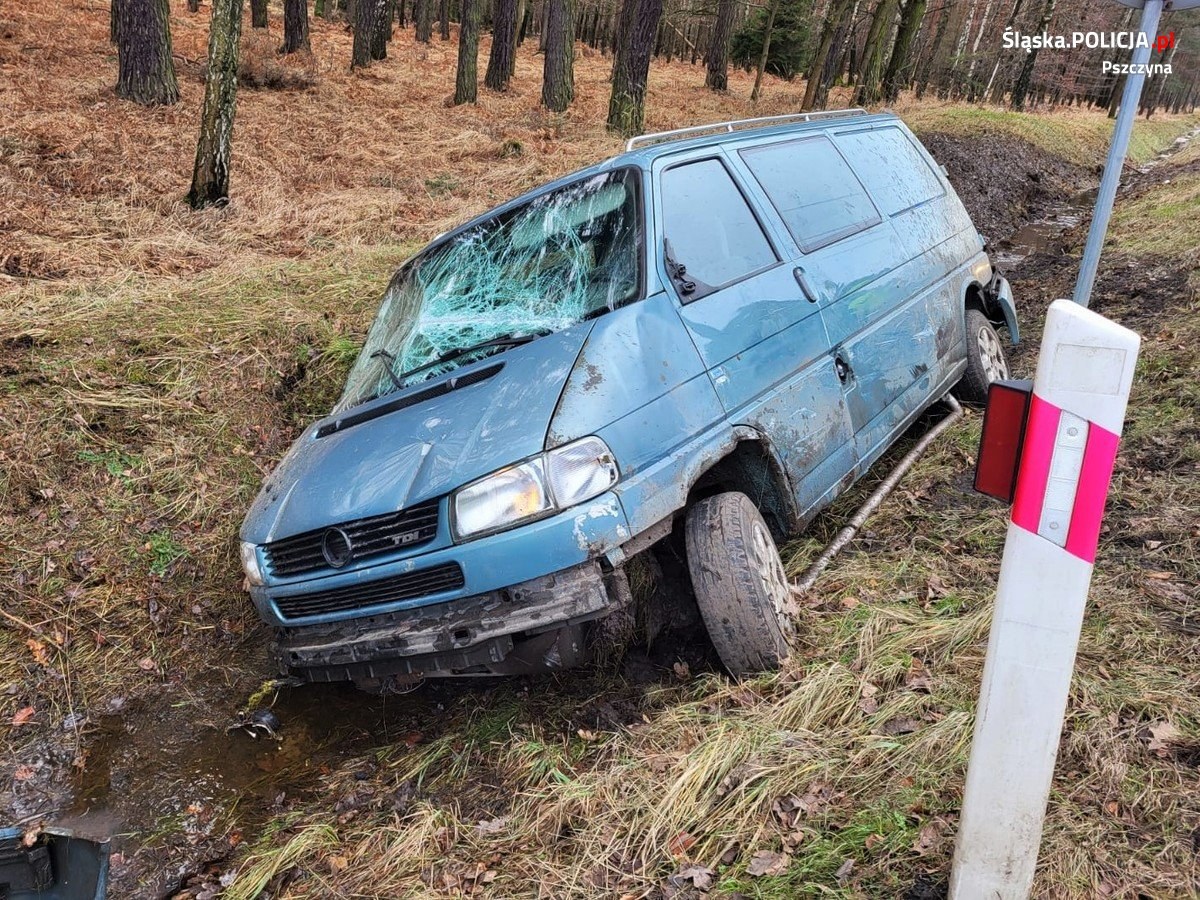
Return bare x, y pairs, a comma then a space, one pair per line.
1001, 439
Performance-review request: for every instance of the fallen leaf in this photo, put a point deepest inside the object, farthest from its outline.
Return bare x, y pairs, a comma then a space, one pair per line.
681, 844
491, 826
918, 678
844, 870
767, 863
927, 838
146, 664
869, 706
900, 725
851, 603
38, 649
872, 840
22, 716
23, 773
682, 671
1162, 735
700, 877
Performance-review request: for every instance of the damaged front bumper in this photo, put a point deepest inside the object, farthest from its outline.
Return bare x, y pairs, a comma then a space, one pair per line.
530, 627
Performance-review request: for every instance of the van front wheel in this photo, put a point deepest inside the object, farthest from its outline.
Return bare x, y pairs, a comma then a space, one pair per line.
985, 359
739, 582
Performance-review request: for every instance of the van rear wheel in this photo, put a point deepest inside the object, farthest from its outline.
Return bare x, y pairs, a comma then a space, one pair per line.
986, 361
739, 582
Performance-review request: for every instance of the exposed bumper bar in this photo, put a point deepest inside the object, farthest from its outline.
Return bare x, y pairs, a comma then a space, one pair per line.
473, 635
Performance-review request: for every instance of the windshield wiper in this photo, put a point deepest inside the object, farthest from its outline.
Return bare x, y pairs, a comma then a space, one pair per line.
389, 366
504, 340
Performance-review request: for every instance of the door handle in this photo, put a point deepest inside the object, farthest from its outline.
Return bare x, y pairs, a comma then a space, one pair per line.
802, 279
841, 367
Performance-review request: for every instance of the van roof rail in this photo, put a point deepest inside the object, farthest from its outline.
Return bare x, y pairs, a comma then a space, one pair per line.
663, 136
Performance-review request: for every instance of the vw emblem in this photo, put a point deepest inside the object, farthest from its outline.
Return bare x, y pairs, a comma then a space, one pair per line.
336, 548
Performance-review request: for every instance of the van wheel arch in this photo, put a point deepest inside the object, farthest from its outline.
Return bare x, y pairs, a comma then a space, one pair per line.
976, 297
752, 468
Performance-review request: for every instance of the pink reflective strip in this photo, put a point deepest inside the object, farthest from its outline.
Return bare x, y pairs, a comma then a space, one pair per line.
1040, 432
1098, 458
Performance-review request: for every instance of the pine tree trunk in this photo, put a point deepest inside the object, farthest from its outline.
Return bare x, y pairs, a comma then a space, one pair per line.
717, 59
381, 30
444, 19
295, 26
504, 41
364, 31
423, 17
328, 11
834, 18
558, 73
1021, 88
210, 177
193, 5
114, 18
898, 66
869, 92
766, 51
258, 13
636, 28
465, 90
146, 72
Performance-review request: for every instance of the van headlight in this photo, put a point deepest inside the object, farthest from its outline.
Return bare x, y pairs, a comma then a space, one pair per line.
250, 564
546, 484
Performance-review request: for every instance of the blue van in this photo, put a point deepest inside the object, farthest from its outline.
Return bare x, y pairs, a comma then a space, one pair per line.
709, 336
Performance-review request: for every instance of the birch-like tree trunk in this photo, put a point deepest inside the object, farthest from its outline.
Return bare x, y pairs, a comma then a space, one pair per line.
210, 176
145, 69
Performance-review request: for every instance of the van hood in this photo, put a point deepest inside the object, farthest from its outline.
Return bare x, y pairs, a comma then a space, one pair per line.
422, 451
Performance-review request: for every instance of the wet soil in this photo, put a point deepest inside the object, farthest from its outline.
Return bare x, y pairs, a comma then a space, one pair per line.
180, 790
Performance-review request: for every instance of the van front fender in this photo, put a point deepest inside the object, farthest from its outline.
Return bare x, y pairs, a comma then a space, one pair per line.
999, 294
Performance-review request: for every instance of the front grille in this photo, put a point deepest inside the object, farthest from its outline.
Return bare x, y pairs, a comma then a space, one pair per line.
368, 537
409, 586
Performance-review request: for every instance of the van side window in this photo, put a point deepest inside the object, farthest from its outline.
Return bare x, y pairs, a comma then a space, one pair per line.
710, 227
894, 171
814, 191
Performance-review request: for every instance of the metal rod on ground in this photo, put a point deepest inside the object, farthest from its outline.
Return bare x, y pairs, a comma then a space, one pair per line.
846, 535
1130, 100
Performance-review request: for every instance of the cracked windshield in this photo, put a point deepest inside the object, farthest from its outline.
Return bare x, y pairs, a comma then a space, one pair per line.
563, 257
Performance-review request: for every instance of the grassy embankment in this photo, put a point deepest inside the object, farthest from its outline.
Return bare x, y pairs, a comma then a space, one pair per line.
154, 362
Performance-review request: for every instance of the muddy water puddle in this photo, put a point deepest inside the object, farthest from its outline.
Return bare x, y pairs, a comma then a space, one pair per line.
173, 782
1042, 235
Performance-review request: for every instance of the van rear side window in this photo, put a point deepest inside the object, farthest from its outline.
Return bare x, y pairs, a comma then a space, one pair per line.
712, 231
815, 192
894, 171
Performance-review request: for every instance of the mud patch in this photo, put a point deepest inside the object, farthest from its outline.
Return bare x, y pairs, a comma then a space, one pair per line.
1004, 182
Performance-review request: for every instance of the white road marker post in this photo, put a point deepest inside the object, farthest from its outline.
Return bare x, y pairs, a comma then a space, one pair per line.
1084, 373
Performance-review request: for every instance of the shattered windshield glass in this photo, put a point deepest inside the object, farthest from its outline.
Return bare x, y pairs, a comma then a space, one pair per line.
562, 257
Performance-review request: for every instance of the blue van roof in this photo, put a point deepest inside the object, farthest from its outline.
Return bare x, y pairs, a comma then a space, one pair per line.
644, 157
